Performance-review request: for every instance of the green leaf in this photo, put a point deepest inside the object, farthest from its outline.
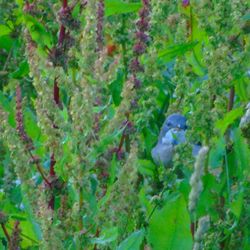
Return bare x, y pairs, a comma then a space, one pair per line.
207, 201
7, 106
38, 32
133, 241
246, 239
107, 236
30, 124
173, 51
116, 88
4, 30
2, 246
115, 7
228, 119
242, 152
6, 42
217, 153
242, 88
237, 205
112, 170
146, 167
169, 228
246, 17
22, 70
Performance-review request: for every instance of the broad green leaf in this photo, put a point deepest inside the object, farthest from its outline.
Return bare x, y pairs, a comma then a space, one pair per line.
116, 87
146, 204
8, 107
133, 242
34, 226
228, 119
4, 30
237, 205
107, 236
115, 7
173, 51
195, 63
242, 152
169, 228
38, 32
246, 17
30, 124
112, 170
242, 88
21, 71
146, 167
6, 42
206, 200
217, 153
246, 240
2, 246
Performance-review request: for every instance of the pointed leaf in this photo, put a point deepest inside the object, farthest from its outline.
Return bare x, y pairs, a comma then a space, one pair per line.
133, 241
169, 228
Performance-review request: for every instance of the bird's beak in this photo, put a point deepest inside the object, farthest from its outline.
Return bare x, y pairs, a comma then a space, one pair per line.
178, 128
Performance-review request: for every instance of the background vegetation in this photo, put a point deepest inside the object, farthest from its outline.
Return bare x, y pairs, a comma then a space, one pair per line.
85, 88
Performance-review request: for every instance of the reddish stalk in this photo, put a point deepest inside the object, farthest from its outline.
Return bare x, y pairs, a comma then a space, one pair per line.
56, 93
231, 99
121, 142
99, 28
5, 232
23, 135
39, 168
61, 35
65, 4
52, 164
96, 235
56, 96
52, 173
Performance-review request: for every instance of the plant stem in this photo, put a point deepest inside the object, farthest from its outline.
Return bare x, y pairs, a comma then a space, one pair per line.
80, 206
56, 93
5, 232
231, 99
39, 168
52, 173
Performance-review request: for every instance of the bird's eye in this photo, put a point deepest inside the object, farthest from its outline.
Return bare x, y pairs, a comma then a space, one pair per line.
169, 124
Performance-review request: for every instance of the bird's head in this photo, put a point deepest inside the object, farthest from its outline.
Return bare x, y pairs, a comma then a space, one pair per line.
175, 121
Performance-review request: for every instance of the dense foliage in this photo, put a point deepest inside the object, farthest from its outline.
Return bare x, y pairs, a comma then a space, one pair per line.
85, 88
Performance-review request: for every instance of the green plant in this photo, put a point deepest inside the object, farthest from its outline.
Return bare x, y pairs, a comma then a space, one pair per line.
85, 89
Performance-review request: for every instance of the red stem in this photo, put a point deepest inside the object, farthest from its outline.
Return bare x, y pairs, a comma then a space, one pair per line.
52, 173
231, 99
121, 142
61, 38
192, 228
56, 93
5, 232
51, 204
96, 235
61, 35
62, 28
52, 164
65, 4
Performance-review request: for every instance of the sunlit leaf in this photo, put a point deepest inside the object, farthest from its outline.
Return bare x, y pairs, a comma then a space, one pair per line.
173, 51
115, 7
169, 228
22, 70
237, 205
228, 119
133, 241
107, 236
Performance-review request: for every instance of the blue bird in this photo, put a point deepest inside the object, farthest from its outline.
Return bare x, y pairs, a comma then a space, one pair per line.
172, 133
